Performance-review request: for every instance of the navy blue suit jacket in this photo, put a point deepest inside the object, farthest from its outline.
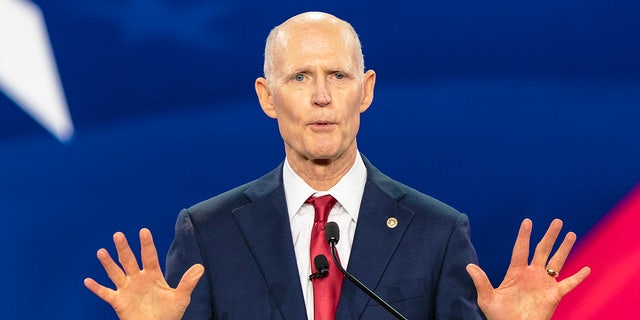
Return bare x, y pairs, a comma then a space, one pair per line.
243, 239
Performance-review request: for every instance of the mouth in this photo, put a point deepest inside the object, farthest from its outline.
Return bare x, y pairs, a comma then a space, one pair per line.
322, 125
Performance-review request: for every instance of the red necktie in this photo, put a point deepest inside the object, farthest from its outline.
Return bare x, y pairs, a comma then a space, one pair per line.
326, 291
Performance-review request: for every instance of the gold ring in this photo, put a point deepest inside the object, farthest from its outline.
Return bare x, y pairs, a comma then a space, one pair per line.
552, 272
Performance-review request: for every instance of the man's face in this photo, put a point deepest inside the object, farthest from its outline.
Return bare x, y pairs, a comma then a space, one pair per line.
317, 92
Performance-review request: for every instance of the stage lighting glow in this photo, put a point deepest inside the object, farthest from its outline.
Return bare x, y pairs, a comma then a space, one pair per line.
28, 72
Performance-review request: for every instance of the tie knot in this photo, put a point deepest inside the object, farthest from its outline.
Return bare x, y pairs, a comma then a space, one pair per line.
322, 206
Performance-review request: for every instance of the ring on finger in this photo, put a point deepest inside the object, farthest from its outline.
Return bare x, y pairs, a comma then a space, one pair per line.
552, 272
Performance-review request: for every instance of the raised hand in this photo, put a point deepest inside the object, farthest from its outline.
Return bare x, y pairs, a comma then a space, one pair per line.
143, 294
529, 290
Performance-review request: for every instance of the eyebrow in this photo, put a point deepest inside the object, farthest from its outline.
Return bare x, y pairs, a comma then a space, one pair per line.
306, 69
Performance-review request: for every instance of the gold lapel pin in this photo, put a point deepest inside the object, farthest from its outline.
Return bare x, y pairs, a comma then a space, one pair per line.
392, 222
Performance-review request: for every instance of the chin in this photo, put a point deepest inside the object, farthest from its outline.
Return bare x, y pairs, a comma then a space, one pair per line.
326, 155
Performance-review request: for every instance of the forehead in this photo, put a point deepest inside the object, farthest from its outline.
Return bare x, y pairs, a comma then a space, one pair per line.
311, 43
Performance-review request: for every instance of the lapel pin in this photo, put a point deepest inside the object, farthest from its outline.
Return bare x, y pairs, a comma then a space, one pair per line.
392, 222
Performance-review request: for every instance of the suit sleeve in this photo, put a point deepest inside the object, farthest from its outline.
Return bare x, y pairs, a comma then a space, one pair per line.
185, 252
456, 295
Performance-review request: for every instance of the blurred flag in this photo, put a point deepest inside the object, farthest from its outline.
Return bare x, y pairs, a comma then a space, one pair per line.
612, 250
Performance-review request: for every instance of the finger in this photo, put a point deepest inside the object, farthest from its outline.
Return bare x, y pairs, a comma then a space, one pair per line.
125, 255
113, 270
148, 251
570, 283
103, 292
481, 282
190, 280
558, 259
544, 247
520, 254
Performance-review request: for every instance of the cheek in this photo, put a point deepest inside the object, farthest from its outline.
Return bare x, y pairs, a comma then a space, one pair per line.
352, 124
288, 117
287, 102
289, 121
355, 110
282, 109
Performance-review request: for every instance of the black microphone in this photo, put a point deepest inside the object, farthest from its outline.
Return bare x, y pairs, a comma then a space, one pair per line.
322, 267
332, 232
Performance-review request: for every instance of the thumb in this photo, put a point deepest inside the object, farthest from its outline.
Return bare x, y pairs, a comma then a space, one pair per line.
190, 279
480, 280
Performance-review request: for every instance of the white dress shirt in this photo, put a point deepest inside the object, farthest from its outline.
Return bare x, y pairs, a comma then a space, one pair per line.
348, 191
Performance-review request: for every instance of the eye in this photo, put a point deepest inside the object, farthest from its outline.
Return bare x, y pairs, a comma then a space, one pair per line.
339, 75
298, 77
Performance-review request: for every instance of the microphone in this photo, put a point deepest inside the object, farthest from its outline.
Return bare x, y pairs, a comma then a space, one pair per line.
322, 267
332, 232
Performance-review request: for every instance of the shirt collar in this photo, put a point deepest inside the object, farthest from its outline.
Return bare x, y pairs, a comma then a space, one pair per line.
348, 191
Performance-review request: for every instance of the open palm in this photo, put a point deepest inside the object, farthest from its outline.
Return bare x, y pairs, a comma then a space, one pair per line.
142, 294
529, 291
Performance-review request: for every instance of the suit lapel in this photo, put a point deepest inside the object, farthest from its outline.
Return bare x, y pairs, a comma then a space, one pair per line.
264, 224
374, 243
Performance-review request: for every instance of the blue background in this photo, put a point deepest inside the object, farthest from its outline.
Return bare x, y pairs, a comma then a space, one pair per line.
503, 109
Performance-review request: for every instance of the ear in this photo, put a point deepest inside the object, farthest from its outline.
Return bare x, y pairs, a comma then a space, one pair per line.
369, 83
264, 96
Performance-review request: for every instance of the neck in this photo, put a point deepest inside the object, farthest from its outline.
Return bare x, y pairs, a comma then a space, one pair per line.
322, 174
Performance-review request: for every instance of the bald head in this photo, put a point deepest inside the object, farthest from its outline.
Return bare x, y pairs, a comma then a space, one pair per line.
307, 24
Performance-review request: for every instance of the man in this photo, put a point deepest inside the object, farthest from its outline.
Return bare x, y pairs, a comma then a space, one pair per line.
254, 243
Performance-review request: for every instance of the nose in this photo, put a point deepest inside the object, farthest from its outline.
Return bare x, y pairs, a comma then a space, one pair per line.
321, 96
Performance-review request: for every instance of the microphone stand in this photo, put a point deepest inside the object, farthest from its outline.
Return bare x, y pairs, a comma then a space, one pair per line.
362, 286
